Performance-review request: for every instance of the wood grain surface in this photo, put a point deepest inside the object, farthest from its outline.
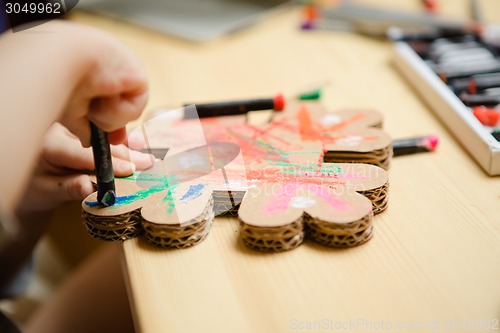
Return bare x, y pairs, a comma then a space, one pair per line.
433, 261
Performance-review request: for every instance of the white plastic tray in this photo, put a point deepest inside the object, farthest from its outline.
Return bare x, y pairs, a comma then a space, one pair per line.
459, 119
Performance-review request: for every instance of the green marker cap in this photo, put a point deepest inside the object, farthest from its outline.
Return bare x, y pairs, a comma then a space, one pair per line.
310, 95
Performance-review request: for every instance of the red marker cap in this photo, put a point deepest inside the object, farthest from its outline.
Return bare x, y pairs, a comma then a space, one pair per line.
487, 117
279, 102
432, 142
431, 5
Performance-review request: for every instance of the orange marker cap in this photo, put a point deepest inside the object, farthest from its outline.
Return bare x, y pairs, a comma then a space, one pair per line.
311, 13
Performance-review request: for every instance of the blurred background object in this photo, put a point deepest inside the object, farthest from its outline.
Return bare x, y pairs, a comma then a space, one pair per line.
197, 20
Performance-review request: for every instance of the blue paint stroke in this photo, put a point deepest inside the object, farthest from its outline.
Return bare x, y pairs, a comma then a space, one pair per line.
128, 199
193, 192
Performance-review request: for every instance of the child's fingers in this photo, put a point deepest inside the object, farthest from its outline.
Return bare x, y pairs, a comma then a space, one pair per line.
75, 122
109, 113
62, 150
111, 93
120, 151
83, 160
112, 113
71, 156
135, 140
47, 192
117, 137
141, 160
75, 187
122, 168
63, 153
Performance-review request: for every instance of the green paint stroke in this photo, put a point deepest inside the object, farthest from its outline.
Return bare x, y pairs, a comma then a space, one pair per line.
168, 199
158, 183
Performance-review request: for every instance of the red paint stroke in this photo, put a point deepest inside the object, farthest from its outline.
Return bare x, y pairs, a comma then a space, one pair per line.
263, 146
307, 127
255, 150
283, 124
264, 134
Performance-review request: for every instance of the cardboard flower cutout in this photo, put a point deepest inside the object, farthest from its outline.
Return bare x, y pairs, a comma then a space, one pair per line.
278, 178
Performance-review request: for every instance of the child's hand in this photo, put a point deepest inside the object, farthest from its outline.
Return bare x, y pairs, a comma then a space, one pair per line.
62, 174
112, 92
65, 72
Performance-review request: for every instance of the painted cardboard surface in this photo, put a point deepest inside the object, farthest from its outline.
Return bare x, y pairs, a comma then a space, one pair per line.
279, 165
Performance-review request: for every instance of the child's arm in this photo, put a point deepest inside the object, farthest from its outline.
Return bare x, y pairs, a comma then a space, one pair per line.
57, 71
61, 71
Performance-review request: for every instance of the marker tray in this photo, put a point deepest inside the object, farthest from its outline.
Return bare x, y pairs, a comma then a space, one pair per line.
474, 136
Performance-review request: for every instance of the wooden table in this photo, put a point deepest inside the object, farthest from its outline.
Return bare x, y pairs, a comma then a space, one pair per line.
434, 258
